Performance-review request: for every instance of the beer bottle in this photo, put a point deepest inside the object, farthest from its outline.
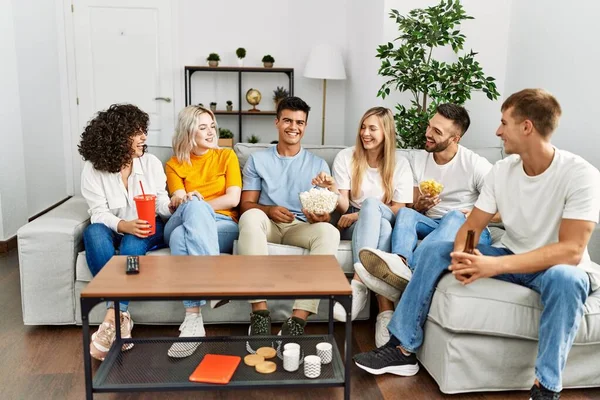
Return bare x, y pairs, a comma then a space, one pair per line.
470, 246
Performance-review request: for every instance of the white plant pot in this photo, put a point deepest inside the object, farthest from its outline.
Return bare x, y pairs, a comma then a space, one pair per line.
240, 62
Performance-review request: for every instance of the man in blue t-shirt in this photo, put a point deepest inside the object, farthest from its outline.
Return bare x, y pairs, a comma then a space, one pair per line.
271, 209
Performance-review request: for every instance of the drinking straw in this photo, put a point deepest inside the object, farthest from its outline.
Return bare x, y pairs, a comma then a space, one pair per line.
142, 186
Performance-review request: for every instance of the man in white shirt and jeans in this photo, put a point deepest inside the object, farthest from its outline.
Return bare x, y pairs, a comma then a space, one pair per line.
430, 218
549, 200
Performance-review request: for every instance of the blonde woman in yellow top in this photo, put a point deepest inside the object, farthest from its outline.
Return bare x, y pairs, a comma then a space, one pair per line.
205, 184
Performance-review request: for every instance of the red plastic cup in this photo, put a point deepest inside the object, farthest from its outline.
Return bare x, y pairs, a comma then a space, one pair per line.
146, 210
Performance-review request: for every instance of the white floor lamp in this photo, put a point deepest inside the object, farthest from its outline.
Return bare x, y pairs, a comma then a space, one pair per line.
325, 62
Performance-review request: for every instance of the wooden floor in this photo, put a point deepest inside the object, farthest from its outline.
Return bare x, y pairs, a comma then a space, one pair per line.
46, 362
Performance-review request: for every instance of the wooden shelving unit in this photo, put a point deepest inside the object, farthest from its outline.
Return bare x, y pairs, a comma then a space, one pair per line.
190, 70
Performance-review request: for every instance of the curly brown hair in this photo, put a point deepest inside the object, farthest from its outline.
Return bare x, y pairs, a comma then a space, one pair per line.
106, 140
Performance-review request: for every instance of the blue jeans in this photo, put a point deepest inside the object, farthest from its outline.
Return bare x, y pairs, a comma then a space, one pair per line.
101, 243
563, 289
410, 226
195, 229
372, 229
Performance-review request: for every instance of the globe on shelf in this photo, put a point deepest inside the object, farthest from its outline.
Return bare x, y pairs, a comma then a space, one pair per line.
253, 97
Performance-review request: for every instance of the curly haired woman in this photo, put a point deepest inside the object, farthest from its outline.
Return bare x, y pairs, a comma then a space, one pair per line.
113, 147
206, 184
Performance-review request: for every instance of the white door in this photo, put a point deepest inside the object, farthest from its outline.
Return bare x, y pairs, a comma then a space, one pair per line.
123, 54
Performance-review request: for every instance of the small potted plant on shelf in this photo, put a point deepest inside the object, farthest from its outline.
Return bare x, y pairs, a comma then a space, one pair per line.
225, 137
213, 60
279, 94
229, 105
240, 53
268, 61
213, 106
253, 139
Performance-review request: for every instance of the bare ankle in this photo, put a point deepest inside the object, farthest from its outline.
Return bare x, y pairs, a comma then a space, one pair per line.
405, 352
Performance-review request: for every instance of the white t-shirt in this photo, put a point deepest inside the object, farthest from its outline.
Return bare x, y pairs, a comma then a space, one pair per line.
108, 199
462, 177
533, 207
371, 183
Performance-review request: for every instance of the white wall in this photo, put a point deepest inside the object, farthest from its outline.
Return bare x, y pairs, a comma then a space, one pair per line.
285, 29
13, 193
487, 34
554, 45
36, 40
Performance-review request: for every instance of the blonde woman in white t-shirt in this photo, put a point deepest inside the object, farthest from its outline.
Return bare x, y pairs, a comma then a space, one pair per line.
374, 183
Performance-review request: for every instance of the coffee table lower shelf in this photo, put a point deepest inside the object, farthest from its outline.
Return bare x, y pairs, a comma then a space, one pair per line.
147, 367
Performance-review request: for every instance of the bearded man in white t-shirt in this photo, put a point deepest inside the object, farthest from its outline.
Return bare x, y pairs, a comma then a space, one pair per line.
430, 218
549, 200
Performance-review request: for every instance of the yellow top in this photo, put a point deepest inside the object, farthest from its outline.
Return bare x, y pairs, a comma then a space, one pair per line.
210, 174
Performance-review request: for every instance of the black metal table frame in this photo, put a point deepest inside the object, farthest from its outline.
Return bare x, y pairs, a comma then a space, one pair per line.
87, 303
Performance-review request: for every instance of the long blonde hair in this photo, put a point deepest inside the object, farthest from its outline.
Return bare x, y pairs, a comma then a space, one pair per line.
183, 139
386, 159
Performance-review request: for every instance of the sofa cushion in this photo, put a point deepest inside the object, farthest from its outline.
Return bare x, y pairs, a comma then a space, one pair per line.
497, 308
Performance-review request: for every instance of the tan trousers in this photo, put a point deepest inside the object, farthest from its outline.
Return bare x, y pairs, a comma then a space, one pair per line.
256, 230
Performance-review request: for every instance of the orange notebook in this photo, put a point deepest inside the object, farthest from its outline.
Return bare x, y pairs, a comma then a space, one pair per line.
215, 368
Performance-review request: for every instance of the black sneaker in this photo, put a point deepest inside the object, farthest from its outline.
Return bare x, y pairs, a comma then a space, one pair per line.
387, 359
541, 393
292, 327
260, 325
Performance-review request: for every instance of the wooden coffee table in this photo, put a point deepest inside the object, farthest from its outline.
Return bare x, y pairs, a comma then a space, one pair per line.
147, 366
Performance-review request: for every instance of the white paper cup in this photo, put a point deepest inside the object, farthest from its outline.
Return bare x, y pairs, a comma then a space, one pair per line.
291, 346
291, 360
325, 352
312, 366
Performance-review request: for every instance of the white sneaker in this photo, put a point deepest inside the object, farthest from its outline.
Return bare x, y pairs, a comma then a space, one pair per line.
192, 326
387, 267
377, 285
382, 335
360, 295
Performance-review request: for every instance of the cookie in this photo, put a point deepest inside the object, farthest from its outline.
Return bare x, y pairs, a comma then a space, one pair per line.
266, 367
266, 352
253, 359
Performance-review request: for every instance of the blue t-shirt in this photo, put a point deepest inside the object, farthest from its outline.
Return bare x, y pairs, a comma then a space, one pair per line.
281, 179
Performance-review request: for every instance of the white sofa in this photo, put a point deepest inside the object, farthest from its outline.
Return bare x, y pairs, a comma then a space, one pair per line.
479, 337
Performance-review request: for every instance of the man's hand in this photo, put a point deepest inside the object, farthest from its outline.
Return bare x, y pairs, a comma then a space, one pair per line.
325, 181
314, 218
425, 203
468, 268
280, 214
347, 219
136, 227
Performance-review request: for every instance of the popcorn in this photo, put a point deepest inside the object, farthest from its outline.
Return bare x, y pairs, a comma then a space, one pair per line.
430, 187
319, 201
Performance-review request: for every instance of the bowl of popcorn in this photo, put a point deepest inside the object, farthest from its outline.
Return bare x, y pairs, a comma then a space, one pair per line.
319, 200
430, 187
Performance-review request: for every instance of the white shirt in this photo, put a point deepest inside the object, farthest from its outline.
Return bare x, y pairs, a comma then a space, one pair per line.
462, 177
108, 199
533, 207
371, 185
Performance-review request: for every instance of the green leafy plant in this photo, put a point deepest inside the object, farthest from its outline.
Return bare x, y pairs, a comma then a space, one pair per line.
408, 66
268, 59
280, 93
253, 139
229, 102
240, 52
225, 133
213, 57
212, 103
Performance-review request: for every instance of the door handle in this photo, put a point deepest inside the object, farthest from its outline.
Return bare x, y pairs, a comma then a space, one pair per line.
167, 99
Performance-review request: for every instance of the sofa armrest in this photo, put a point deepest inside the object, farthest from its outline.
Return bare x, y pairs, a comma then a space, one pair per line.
48, 248
594, 245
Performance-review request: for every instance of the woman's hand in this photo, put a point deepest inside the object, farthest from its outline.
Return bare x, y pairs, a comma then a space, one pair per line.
347, 219
179, 199
136, 227
325, 181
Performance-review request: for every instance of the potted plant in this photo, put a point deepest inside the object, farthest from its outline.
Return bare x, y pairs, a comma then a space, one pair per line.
279, 94
213, 106
408, 66
253, 139
213, 59
225, 137
229, 105
268, 61
240, 53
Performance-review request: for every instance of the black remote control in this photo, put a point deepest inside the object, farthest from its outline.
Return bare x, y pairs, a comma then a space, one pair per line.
133, 265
